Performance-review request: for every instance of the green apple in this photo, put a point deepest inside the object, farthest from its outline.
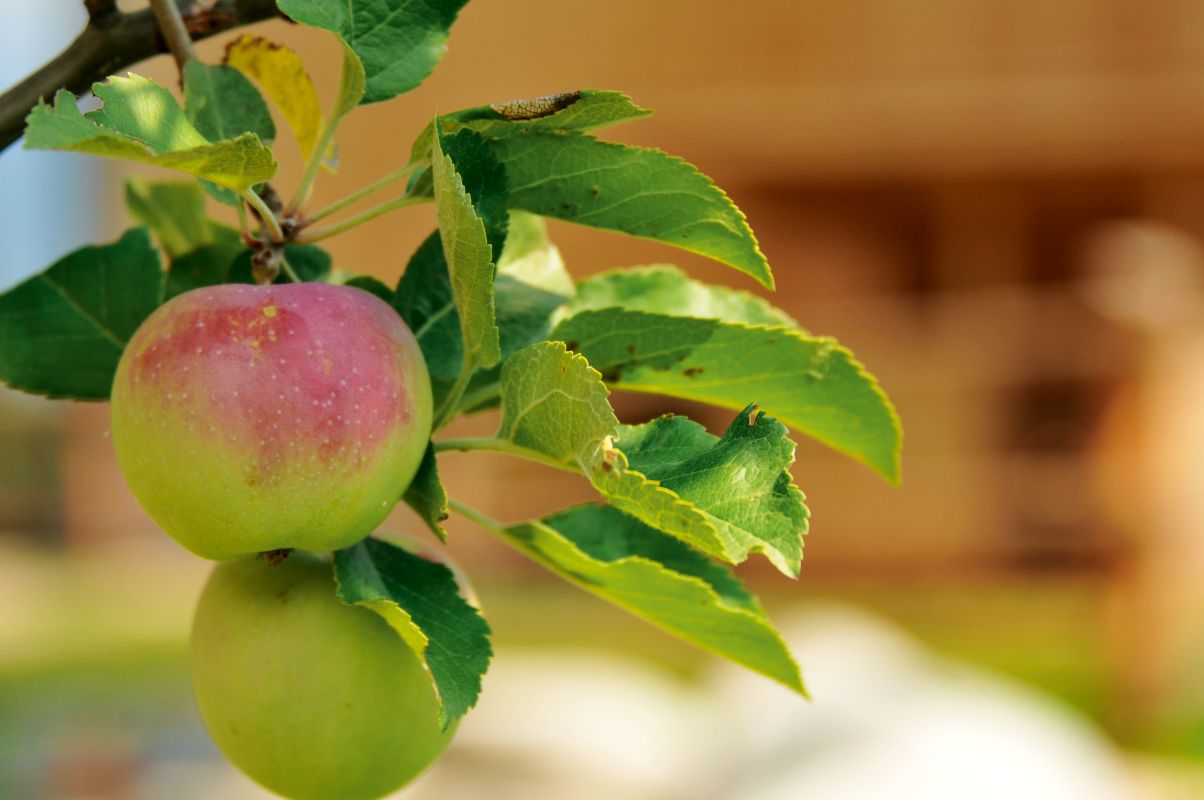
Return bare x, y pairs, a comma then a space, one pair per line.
254, 418
312, 698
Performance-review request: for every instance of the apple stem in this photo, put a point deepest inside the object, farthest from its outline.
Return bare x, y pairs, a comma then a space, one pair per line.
274, 557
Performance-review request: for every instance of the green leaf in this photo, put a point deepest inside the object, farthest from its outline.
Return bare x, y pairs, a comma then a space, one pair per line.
531, 284
372, 286
484, 179
639, 191
140, 121
399, 44
206, 265
727, 497
427, 496
469, 258
281, 75
659, 579
740, 482
421, 600
584, 110
310, 262
175, 213
811, 383
62, 331
223, 104
664, 289
351, 85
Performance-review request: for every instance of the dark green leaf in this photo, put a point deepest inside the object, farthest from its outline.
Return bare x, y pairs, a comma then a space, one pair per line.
223, 104
372, 286
421, 600
584, 110
399, 44
427, 496
484, 179
62, 331
206, 265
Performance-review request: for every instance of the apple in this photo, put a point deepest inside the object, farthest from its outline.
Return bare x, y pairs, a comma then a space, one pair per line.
310, 697
256, 418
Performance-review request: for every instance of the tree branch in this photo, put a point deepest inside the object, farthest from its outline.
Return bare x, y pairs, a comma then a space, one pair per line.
111, 42
171, 24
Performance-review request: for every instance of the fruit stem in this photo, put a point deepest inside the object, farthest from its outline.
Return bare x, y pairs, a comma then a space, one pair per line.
265, 214
356, 196
359, 219
495, 445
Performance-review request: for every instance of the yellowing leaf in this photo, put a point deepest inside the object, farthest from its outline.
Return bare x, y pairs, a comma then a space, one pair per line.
282, 77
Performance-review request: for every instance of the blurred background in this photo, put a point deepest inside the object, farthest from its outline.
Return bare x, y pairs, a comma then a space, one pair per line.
999, 206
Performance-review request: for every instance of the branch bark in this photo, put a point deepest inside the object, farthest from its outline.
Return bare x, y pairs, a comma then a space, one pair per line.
112, 41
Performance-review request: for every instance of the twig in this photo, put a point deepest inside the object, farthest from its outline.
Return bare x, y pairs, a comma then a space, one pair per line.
309, 236
171, 25
111, 42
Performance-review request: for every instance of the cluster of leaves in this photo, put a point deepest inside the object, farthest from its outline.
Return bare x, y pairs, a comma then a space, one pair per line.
500, 322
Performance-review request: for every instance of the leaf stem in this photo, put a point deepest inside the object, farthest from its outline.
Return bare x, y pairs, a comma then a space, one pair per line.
288, 270
356, 196
318, 234
448, 409
495, 445
471, 514
171, 25
315, 162
265, 214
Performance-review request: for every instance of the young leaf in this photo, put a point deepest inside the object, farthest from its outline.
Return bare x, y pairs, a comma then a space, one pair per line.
740, 482
726, 497
175, 213
223, 104
531, 284
422, 602
140, 121
659, 579
811, 383
399, 44
282, 77
427, 496
62, 331
664, 289
469, 258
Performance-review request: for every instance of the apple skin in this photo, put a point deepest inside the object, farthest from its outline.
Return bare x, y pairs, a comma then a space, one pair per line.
310, 697
254, 418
